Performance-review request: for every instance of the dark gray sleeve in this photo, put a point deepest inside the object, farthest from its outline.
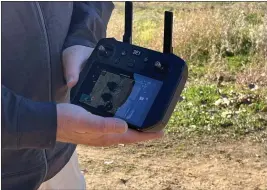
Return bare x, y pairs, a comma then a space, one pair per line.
89, 23
25, 123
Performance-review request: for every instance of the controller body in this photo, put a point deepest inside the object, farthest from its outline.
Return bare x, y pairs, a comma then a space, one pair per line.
138, 85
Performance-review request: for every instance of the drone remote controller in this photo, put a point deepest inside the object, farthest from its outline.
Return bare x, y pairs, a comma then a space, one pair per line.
138, 85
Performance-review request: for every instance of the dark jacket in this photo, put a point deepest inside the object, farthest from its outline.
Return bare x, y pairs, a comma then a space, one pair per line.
33, 37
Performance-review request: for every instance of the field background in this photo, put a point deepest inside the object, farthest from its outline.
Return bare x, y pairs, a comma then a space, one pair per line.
217, 136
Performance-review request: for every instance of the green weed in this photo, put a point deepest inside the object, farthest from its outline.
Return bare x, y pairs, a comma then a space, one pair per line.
208, 109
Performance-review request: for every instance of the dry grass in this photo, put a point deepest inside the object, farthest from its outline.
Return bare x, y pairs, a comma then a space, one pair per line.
204, 34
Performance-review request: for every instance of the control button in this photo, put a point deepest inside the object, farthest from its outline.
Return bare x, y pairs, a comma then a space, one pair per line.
105, 51
102, 51
146, 59
101, 48
123, 53
159, 66
136, 52
130, 64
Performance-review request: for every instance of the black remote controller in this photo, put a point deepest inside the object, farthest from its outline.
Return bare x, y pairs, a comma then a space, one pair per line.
138, 85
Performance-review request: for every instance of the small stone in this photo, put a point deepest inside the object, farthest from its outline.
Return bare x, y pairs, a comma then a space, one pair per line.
108, 162
251, 86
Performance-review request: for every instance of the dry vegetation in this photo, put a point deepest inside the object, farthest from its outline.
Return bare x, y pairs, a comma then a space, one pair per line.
217, 135
205, 34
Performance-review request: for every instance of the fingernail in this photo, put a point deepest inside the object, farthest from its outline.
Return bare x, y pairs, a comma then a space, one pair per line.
69, 80
120, 125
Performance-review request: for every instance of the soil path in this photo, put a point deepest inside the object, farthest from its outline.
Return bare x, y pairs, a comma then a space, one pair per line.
168, 164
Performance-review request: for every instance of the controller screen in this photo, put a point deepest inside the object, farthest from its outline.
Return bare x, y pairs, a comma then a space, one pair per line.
128, 98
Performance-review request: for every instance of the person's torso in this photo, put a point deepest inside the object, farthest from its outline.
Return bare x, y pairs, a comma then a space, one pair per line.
33, 34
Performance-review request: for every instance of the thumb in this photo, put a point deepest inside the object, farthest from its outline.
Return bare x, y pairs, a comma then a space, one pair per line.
72, 65
73, 59
72, 71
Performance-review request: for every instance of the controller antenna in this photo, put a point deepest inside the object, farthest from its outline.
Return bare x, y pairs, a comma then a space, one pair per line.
168, 23
128, 25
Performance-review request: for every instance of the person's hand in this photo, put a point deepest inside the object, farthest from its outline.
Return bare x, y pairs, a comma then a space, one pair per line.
74, 58
76, 125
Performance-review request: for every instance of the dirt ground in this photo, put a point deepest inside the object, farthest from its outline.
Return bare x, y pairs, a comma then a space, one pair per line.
171, 164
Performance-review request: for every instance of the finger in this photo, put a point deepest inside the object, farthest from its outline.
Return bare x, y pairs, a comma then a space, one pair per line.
73, 57
131, 136
72, 66
72, 72
101, 125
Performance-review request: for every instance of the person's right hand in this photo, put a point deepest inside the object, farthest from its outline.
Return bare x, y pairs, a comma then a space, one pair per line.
76, 125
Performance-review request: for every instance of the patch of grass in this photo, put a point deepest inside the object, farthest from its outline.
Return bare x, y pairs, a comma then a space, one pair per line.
207, 109
145, 31
196, 72
254, 18
237, 63
205, 94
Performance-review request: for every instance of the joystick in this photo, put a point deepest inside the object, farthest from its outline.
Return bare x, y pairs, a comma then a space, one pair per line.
136, 84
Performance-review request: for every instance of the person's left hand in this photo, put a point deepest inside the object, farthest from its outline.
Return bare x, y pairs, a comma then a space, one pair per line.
74, 58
